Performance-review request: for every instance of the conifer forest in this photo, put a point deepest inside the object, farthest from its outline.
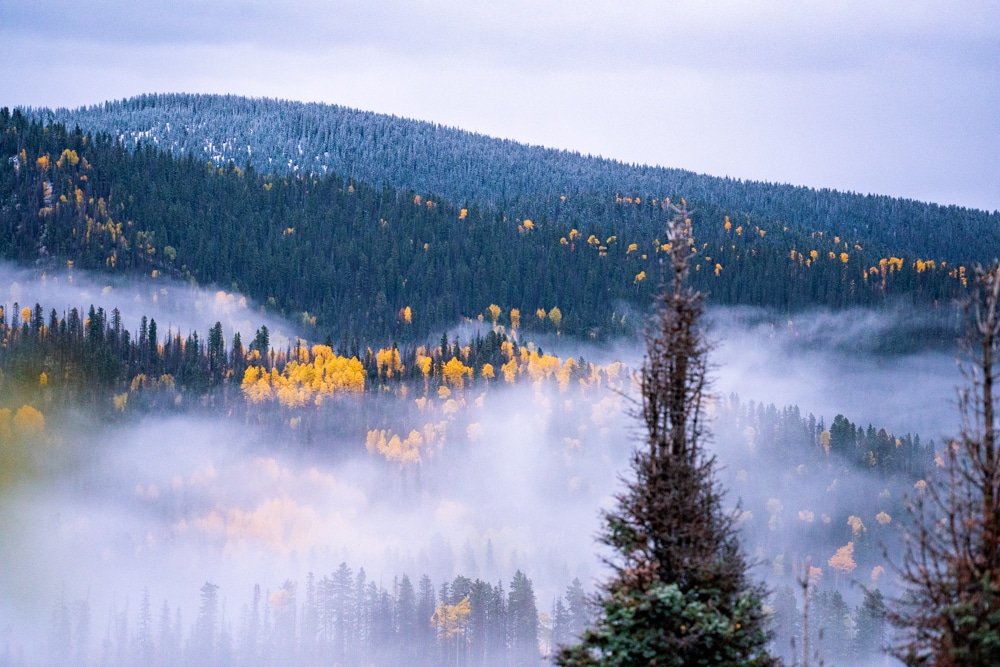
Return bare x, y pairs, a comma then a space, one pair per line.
297, 384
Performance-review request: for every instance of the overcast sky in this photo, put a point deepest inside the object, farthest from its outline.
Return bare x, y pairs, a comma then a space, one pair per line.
899, 97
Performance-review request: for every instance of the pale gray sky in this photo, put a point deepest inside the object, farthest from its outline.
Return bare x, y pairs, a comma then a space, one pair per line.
899, 97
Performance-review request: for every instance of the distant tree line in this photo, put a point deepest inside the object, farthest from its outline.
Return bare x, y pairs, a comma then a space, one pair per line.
341, 618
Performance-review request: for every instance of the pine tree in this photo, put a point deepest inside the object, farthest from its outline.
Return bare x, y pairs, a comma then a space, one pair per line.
681, 593
523, 621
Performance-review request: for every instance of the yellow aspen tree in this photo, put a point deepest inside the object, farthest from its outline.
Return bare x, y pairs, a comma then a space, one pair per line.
556, 316
509, 371
494, 311
843, 560
451, 619
454, 372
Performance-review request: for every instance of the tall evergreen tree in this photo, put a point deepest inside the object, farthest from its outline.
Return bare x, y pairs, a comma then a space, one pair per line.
681, 593
523, 615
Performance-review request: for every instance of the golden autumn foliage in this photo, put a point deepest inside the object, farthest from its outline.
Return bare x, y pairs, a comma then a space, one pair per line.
555, 315
424, 364
451, 619
393, 448
68, 157
843, 560
389, 360
28, 422
454, 372
324, 374
494, 311
509, 371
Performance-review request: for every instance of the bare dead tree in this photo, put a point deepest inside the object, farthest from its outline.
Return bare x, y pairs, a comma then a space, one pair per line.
950, 611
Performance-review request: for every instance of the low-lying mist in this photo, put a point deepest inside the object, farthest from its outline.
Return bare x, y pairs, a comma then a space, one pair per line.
514, 478
174, 305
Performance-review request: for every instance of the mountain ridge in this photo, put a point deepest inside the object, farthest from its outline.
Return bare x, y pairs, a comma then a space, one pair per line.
522, 180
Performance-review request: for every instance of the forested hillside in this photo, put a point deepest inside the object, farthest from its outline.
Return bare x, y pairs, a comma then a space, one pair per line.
379, 264
523, 181
809, 490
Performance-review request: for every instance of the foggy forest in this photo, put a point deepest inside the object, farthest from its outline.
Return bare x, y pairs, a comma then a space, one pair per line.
366, 410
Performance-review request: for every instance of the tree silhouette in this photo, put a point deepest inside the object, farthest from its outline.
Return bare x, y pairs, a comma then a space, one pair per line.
680, 593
